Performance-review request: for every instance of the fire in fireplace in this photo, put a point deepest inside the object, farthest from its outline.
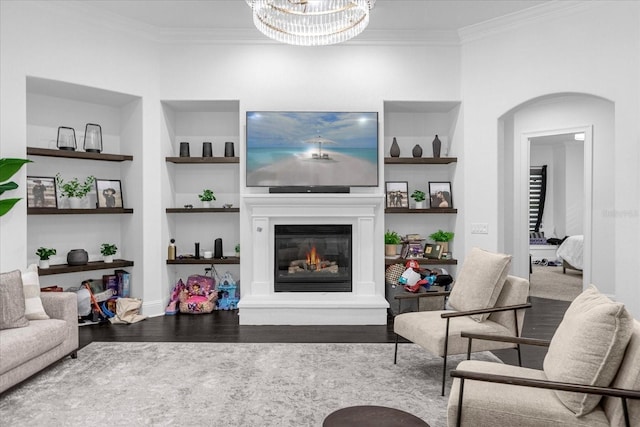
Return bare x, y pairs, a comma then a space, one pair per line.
312, 258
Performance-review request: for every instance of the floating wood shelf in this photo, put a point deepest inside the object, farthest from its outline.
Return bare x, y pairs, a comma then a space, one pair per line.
430, 261
202, 210
206, 261
48, 152
94, 265
421, 211
203, 159
100, 211
419, 160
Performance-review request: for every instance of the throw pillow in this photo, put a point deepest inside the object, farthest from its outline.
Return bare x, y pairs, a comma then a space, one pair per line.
33, 309
479, 282
12, 301
588, 347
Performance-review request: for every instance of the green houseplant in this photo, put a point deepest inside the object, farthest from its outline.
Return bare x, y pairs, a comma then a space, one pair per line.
237, 250
206, 197
443, 237
419, 197
75, 190
391, 242
108, 250
8, 168
44, 254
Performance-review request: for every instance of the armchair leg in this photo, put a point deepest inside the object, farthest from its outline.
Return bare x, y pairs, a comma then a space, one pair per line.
444, 363
395, 353
459, 418
519, 356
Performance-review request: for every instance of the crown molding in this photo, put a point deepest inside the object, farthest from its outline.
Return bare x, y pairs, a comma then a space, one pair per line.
533, 15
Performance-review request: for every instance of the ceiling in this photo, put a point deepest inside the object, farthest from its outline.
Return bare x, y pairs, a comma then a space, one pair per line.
387, 15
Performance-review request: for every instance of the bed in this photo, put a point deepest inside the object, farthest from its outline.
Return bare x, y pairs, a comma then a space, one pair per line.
570, 252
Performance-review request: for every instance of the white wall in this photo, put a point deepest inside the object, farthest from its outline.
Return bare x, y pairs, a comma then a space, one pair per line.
594, 50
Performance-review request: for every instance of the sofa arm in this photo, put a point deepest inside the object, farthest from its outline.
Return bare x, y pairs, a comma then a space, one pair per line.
503, 338
61, 305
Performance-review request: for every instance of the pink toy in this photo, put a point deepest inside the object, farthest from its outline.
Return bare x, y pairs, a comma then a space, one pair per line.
173, 300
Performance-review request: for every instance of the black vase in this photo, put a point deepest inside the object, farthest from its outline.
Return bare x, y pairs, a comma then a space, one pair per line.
77, 257
207, 149
395, 148
436, 147
417, 151
228, 149
184, 149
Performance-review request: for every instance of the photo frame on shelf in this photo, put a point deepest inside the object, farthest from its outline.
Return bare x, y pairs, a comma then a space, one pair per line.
397, 193
440, 195
432, 251
41, 192
109, 193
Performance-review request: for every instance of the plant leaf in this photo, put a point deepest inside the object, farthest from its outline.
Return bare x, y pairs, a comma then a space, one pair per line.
8, 186
8, 167
7, 204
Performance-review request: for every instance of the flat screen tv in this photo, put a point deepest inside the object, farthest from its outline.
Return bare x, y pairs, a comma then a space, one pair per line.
310, 150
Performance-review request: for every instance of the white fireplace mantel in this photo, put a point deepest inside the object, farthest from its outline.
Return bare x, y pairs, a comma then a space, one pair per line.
365, 304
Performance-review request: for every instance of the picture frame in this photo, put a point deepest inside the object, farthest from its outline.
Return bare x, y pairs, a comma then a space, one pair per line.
109, 192
432, 251
440, 195
41, 192
397, 194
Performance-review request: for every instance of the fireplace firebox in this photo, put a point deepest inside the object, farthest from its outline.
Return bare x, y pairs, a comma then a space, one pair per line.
312, 258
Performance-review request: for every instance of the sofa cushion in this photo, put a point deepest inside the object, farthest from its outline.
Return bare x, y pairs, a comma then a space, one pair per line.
479, 282
588, 347
20, 345
32, 303
12, 301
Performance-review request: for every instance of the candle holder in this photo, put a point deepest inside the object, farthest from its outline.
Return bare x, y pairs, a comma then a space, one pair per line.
66, 138
92, 138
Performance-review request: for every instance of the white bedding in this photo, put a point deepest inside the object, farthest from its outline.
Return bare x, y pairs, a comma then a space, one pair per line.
571, 251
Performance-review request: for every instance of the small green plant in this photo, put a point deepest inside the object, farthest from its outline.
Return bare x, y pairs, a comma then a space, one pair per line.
392, 238
45, 253
73, 187
108, 249
418, 196
237, 248
8, 167
206, 196
442, 236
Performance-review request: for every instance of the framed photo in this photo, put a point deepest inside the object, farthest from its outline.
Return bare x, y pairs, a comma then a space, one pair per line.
397, 194
440, 195
432, 250
41, 192
109, 193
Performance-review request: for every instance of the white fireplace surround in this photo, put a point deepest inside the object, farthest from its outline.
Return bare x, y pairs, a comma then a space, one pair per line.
364, 305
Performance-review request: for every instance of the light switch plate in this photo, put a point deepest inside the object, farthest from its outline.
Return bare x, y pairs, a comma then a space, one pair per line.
480, 228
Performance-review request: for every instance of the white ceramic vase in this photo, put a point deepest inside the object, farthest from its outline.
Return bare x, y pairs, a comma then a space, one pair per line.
43, 263
108, 258
206, 204
75, 203
420, 205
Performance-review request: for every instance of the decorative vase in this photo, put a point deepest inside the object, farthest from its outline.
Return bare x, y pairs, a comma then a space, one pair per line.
43, 263
184, 149
417, 151
444, 245
77, 257
436, 146
75, 203
420, 205
207, 149
395, 148
228, 149
108, 259
206, 204
390, 250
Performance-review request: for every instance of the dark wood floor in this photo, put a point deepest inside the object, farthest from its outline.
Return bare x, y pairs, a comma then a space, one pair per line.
541, 321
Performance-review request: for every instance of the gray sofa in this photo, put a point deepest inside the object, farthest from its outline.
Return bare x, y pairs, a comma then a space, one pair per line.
26, 351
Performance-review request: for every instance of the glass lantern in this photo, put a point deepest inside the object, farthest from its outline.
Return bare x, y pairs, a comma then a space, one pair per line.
92, 138
66, 138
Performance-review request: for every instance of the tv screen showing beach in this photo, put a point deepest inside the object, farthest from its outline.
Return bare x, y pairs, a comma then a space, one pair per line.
312, 149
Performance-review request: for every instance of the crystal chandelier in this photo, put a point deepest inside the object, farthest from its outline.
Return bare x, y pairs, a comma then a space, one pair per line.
311, 22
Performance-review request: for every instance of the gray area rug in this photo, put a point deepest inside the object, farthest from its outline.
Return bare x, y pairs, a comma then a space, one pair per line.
227, 384
549, 282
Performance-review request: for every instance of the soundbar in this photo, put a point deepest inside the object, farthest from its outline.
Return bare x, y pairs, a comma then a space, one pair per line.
310, 189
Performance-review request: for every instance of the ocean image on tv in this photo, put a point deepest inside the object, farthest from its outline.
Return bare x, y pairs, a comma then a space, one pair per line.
311, 149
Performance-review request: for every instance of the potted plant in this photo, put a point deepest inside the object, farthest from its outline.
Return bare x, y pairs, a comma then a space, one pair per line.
44, 254
391, 242
108, 250
442, 237
206, 197
419, 197
237, 249
74, 190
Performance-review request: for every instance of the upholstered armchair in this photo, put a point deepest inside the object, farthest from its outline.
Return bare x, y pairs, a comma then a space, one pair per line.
484, 299
590, 376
